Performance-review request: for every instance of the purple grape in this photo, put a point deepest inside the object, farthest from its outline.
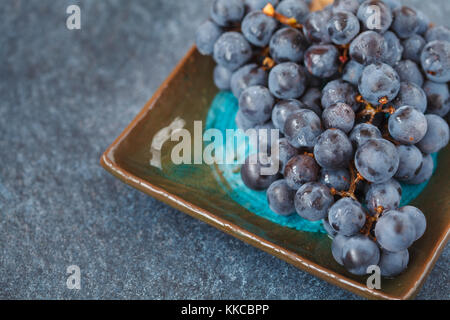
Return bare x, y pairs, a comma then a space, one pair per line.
256, 103
359, 253
367, 48
407, 125
313, 200
252, 174
339, 91
409, 71
231, 50
377, 160
286, 152
411, 94
435, 61
227, 12
410, 162
331, 232
395, 52
339, 116
311, 100
336, 247
343, 27
395, 231
346, 5
222, 77
333, 149
302, 128
393, 263
207, 34
315, 26
281, 198
441, 33
258, 5
413, 47
379, 81
386, 195
438, 98
347, 216
258, 28
352, 72
300, 170
288, 45
406, 22
287, 81
418, 219
322, 60
425, 171
437, 136
297, 9
242, 122
366, 14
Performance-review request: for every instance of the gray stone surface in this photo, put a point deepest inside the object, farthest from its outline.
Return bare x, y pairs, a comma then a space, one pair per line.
64, 96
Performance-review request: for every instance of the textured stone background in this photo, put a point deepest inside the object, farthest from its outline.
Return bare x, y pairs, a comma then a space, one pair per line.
64, 96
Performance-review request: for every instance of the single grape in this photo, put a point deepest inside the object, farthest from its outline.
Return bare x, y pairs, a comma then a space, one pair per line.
377, 160
409, 71
288, 45
343, 27
227, 12
386, 195
379, 81
425, 171
286, 152
368, 47
242, 122
258, 28
395, 52
338, 179
252, 174
366, 13
231, 50
437, 136
256, 103
297, 9
438, 33
407, 125
315, 26
287, 81
339, 116
313, 200
413, 47
258, 5
438, 98
333, 149
347, 216
406, 22
302, 128
395, 231
283, 110
207, 34
300, 170
248, 76
281, 198
411, 94
322, 60
364, 132
393, 263
352, 72
410, 162
346, 5
435, 61
339, 91
336, 247
311, 100
359, 253
331, 232
222, 77
418, 219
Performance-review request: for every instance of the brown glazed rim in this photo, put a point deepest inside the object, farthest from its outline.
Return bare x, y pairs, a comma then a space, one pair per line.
108, 162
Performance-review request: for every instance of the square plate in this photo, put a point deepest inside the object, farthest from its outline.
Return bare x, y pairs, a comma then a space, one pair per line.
187, 95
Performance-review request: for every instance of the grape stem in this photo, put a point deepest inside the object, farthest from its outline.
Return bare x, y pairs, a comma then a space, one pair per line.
355, 177
269, 10
370, 221
371, 111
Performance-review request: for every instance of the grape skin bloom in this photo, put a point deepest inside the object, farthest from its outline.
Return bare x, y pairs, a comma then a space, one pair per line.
248, 76
395, 231
437, 136
281, 198
407, 125
258, 28
359, 253
379, 81
287, 81
313, 200
302, 128
231, 50
333, 149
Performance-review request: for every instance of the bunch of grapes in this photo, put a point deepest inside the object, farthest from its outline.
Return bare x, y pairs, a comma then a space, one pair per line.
359, 92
